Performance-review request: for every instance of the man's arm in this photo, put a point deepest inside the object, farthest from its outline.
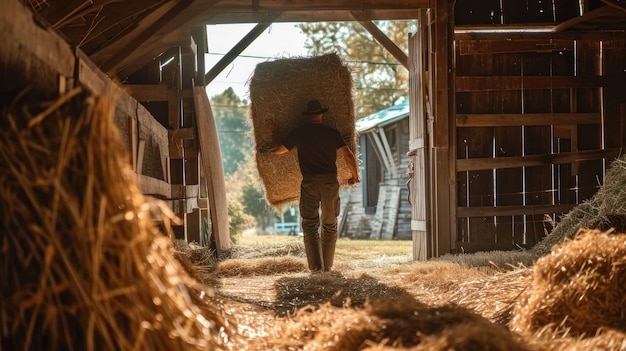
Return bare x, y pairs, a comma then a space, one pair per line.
348, 155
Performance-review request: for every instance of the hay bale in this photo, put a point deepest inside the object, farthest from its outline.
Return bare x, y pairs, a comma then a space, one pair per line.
579, 289
83, 264
279, 91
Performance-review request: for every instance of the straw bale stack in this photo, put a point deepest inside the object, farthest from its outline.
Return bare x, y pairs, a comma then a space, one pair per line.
279, 92
83, 265
579, 289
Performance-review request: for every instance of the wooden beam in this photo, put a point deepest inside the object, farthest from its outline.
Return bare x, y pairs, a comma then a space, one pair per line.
215, 17
140, 156
489, 47
180, 191
107, 51
468, 33
177, 38
31, 55
140, 38
615, 4
491, 83
109, 16
599, 12
382, 38
147, 92
244, 11
238, 48
154, 187
93, 6
489, 211
442, 158
526, 119
146, 39
478, 164
175, 135
60, 11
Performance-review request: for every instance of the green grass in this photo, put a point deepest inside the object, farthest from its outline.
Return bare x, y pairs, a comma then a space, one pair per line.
347, 249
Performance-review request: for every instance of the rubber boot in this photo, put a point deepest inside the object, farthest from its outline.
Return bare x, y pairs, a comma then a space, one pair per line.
328, 254
313, 255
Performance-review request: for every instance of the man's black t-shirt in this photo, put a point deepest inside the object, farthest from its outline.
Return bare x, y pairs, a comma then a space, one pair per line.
317, 148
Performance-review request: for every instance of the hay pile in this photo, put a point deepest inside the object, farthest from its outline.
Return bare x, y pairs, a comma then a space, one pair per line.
279, 91
573, 300
600, 211
579, 289
400, 324
83, 265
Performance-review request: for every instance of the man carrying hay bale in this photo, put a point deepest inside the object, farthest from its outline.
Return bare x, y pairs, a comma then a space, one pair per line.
317, 146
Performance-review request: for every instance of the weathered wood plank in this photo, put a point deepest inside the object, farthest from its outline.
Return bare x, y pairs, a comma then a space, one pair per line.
538, 180
599, 12
31, 55
476, 164
487, 211
238, 48
213, 169
152, 186
526, 119
498, 32
490, 47
382, 38
106, 16
590, 173
442, 160
479, 83
148, 92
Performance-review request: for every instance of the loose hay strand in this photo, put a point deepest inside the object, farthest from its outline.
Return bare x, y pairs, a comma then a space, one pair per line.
85, 266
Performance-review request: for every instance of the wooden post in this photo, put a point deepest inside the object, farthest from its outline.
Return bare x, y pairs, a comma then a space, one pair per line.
419, 170
443, 170
213, 169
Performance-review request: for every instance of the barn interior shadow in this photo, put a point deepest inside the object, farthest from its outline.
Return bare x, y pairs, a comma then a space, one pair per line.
293, 293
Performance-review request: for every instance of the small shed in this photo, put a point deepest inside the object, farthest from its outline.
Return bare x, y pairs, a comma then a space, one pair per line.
378, 208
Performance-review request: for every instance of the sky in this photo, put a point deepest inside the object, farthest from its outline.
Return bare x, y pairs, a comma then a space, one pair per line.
277, 41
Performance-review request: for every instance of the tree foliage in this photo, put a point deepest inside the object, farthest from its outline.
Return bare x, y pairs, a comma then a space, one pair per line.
244, 186
380, 80
233, 129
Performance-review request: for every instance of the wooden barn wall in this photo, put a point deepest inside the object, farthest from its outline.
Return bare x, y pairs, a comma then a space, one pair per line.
507, 204
403, 227
378, 208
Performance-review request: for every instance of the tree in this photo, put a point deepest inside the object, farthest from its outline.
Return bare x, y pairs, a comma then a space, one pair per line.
233, 129
244, 186
380, 80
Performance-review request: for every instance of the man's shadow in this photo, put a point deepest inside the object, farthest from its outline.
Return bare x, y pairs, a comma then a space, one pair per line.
294, 293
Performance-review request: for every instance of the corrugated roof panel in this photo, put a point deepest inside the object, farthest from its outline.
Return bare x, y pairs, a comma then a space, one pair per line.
383, 117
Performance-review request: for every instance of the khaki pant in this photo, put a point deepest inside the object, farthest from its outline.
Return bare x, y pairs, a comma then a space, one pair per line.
319, 206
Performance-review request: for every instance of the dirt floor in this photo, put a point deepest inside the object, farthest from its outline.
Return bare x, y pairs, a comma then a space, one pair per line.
386, 302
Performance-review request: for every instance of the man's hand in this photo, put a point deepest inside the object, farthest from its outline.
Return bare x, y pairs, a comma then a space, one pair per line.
353, 181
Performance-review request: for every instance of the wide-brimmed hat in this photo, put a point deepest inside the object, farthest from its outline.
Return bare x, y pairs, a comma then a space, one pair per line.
314, 107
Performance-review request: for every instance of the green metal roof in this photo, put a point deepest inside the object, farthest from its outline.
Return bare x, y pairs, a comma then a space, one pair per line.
383, 117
